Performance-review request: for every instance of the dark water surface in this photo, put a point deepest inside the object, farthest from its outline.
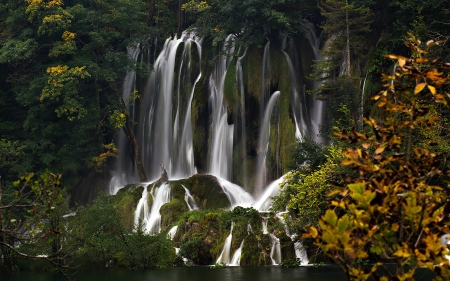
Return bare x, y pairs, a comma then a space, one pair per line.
267, 273
310, 273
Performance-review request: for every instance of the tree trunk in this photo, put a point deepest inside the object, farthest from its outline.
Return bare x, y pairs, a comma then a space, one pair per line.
180, 18
347, 46
151, 12
135, 144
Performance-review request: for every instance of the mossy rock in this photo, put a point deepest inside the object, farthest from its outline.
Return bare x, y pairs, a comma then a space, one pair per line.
206, 191
287, 247
127, 199
203, 228
251, 252
170, 212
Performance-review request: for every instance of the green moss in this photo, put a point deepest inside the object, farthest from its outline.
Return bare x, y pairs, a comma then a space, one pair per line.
251, 252
171, 211
204, 227
126, 201
206, 191
287, 247
199, 116
252, 70
231, 93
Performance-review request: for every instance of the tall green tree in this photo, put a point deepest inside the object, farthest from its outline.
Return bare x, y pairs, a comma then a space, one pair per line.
251, 22
341, 70
64, 64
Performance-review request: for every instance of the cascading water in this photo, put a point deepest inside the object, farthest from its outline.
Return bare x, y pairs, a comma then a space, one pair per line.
225, 254
275, 252
236, 259
240, 83
265, 220
264, 202
221, 150
166, 120
265, 91
316, 108
152, 220
236, 194
300, 251
263, 144
141, 212
183, 158
124, 173
172, 232
190, 201
163, 137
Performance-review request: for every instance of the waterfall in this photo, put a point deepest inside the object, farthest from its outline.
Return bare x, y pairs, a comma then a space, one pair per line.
172, 232
221, 150
183, 156
165, 119
225, 254
316, 107
236, 194
152, 219
263, 144
264, 202
265, 220
123, 173
236, 259
141, 208
275, 251
297, 104
190, 201
164, 136
240, 83
300, 252
264, 96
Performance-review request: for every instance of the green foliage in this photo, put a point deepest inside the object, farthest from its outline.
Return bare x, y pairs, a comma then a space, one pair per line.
101, 240
393, 211
307, 154
27, 212
250, 21
64, 64
291, 263
305, 191
12, 154
195, 251
125, 203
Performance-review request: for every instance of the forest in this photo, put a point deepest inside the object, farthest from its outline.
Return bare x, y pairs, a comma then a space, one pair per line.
370, 182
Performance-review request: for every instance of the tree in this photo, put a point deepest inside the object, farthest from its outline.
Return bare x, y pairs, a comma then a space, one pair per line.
24, 210
345, 24
341, 70
393, 212
305, 190
251, 22
64, 64
100, 240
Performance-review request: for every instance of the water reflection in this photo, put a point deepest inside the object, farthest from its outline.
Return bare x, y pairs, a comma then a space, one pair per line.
266, 273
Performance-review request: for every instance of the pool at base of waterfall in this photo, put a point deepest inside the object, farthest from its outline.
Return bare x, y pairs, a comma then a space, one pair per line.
203, 273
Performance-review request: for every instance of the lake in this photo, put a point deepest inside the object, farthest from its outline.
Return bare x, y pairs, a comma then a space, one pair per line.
272, 273
201, 273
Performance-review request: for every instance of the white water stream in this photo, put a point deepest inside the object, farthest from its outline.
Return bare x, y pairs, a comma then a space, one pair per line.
225, 255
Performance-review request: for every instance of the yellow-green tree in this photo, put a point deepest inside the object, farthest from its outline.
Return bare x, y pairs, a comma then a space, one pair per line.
392, 212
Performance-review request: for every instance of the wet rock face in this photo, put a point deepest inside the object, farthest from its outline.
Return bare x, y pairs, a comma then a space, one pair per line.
206, 191
198, 239
126, 201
